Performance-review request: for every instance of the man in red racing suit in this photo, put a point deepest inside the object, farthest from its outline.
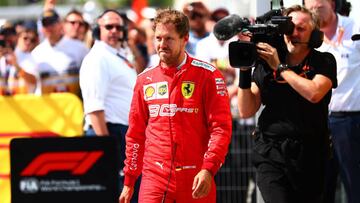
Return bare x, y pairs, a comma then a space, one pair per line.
180, 122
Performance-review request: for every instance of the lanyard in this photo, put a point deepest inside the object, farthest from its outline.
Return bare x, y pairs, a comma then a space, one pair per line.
125, 60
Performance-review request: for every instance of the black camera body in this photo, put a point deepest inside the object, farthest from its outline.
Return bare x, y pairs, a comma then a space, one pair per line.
244, 54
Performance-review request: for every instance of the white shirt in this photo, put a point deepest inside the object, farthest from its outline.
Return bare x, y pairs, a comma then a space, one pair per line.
107, 84
28, 64
26, 61
67, 53
209, 49
346, 97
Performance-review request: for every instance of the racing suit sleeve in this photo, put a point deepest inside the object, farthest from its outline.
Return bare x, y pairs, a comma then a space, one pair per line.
135, 136
217, 111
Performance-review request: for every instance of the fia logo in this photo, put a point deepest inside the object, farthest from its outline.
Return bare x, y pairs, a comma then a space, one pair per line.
29, 185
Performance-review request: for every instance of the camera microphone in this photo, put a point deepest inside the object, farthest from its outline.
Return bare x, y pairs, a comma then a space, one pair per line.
229, 26
355, 37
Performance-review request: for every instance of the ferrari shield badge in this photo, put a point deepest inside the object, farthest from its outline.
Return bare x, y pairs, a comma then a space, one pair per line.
187, 89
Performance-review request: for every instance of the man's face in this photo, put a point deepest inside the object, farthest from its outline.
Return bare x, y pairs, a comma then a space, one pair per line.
197, 21
27, 41
323, 8
53, 31
74, 26
296, 42
111, 29
169, 45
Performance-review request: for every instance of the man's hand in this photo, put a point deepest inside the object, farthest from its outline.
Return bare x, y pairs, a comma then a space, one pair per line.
202, 184
269, 54
11, 58
126, 194
49, 4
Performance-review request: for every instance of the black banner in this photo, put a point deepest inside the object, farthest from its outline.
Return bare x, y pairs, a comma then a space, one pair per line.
64, 170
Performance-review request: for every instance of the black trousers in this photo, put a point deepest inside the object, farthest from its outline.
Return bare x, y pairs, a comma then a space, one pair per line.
287, 171
275, 187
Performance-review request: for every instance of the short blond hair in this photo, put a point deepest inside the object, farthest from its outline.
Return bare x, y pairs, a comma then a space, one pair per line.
175, 17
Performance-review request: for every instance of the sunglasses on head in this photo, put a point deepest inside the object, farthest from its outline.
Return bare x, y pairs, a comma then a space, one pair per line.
110, 27
73, 22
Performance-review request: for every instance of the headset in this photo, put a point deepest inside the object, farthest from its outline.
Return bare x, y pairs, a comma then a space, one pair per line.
316, 38
96, 28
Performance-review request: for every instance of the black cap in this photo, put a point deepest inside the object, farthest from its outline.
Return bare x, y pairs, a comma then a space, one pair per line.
49, 17
30, 25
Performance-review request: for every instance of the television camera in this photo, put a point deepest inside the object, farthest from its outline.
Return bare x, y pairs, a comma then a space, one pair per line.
268, 28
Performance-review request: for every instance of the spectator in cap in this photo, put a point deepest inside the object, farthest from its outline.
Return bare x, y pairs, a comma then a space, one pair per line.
51, 26
198, 15
59, 58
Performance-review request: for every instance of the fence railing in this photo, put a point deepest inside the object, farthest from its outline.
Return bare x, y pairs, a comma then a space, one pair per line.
235, 180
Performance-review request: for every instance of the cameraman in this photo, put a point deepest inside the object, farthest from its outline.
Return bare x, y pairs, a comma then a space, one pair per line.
291, 137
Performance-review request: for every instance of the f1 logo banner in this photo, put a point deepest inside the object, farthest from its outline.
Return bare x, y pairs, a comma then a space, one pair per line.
81, 169
78, 163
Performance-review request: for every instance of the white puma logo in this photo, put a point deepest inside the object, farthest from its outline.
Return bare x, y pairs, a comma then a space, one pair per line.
160, 164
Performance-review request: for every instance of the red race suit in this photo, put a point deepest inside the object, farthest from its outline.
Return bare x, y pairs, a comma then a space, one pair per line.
180, 123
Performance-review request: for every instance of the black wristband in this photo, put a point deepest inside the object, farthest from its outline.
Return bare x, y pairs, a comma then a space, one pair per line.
245, 79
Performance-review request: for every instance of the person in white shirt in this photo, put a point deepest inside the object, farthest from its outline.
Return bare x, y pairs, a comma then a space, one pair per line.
15, 78
59, 58
344, 107
27, 40
107, 80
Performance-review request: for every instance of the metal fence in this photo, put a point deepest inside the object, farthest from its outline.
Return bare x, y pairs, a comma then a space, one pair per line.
235, 181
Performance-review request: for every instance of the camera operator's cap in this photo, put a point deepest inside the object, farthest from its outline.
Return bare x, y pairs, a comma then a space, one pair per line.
49, 17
